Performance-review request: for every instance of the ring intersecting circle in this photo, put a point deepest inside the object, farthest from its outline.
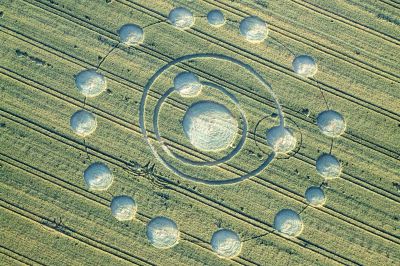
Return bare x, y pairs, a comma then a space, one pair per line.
167, 164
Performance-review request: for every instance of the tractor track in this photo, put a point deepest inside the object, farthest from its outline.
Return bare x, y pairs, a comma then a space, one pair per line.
259, 180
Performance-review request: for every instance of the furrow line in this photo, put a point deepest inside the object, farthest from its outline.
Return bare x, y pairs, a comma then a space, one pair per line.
127, 82
17, 254
312, 43
13, 258
194, 195
71, 233
256, 58
275, 187
391, 3
274, 66
98, 199
350, 22
128, 125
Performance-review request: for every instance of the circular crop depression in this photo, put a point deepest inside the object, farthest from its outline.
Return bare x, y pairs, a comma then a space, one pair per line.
328, 166
131, 34
98, 176
331, 123
181, 18
281, 139
216, 18
315, 196
162, 232
187, 84
305, 66
123, 208
254, 29
288, 223
90, 83
210, 126
83, 123
226, 243
231, 154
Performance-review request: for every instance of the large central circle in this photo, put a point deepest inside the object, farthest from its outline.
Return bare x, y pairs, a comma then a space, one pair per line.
168, 164
210, 126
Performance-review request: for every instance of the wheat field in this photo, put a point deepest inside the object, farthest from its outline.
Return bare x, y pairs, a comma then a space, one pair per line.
197, 151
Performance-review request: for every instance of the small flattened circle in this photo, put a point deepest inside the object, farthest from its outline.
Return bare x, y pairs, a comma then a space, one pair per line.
187, 84
281, 139
131, 34
288, 222
254, 29
226, 243
90, 83
98, 177
328, 166
123, 208
305, 66
331, 123
210, 126
216, 18
162, 232
83, 123
315, 196
181, 18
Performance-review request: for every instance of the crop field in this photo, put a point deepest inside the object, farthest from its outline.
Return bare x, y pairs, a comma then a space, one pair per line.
201, 132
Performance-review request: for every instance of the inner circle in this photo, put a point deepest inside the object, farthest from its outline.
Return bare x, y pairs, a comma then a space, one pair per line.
167, 164
227, 157
210, 126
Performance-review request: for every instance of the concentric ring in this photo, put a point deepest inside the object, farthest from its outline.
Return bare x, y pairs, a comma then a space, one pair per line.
169, 165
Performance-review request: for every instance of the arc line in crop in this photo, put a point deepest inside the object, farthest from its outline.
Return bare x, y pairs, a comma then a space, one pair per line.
293, 153
387, 153
348, 177
104, 202
168, 165
203, 163
102, 31
96, 155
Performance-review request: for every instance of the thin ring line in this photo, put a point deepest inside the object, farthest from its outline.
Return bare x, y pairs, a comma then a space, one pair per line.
195, 56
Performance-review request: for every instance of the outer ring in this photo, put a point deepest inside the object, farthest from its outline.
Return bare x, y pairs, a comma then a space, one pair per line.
167, 164
203, 163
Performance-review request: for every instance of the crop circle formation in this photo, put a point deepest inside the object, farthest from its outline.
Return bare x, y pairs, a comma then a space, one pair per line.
212, 123
123, 208
288, 222
209, 126
315, 196
83, 123
90, 83
331, 123
131, 34
226, 243
162, 232
98, 177
216, 18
